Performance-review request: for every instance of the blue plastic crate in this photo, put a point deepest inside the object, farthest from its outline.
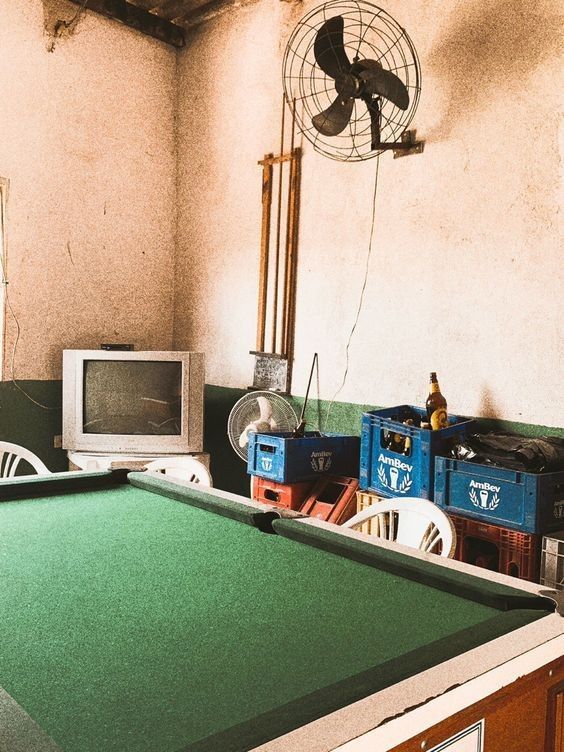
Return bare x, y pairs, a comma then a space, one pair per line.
528, 502
390, 473
285, 459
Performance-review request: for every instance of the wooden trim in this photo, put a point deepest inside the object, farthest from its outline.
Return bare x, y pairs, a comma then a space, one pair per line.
138, 19
555, 719
521, 710
293, 266
287, 262
264, 250
168, 9
272, 160
273, 347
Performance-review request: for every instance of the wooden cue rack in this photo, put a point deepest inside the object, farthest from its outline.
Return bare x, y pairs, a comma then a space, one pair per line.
278, 265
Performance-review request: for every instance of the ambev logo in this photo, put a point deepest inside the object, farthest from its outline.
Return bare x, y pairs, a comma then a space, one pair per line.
398, 475
482, 498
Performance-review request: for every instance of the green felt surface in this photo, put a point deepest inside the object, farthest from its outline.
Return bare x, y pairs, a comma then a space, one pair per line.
132, 622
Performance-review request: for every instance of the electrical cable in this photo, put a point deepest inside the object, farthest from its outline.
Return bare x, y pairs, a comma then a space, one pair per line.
361, 299
13, 358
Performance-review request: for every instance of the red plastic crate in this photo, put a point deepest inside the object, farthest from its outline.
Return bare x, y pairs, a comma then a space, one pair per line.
333, 499
290, 495
498, 548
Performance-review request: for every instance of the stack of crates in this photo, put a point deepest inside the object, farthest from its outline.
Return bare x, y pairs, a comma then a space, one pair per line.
409, 472
500, 515
314, 474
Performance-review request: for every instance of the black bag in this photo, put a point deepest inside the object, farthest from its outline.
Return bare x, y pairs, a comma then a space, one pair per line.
543, 454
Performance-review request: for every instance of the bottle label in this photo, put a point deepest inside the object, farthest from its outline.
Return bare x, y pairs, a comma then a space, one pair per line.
439, 419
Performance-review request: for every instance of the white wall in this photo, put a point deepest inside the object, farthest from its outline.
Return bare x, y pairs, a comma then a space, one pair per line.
465, 275
88, 144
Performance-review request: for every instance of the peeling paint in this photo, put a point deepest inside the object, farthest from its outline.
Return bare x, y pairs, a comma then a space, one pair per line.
60, 20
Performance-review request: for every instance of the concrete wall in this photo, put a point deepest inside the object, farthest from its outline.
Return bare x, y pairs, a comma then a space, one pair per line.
464, 276
88, 144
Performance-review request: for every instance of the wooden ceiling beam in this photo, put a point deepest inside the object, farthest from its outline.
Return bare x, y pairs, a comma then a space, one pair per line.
171, 9
138, 19
209, 10
146, 4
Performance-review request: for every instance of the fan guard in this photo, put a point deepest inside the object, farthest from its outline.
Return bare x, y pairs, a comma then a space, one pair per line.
266, 410
369, 34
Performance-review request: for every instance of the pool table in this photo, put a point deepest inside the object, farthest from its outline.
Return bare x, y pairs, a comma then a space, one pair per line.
139, 614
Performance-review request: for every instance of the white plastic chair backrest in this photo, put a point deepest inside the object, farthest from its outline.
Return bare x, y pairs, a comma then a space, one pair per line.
411, 521
182, 468
12, 454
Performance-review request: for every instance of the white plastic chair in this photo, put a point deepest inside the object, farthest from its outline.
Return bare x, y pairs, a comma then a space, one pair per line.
411, 521
12, 454
181, 468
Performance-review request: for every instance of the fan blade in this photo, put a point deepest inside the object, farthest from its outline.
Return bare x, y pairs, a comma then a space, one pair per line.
257, 426
374, 110
384, 83
329, 49
244, 437
265, 409
335, 118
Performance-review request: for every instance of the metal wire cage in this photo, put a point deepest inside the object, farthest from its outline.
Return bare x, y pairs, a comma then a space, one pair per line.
369, 33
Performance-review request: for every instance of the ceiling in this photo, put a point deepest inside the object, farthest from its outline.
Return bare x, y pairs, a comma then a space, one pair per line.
184, 13
167, 20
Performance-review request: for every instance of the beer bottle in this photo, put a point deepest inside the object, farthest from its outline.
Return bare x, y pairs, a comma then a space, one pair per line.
398, 443
407, 439
436, 405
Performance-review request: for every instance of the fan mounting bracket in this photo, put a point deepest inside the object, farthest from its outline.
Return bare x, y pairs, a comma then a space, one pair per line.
407, 145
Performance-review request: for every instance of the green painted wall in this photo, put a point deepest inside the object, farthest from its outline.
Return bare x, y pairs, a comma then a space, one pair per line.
26, 423
34, 427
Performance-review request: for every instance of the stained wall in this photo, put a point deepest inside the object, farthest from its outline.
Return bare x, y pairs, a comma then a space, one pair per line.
87, 123
465, 272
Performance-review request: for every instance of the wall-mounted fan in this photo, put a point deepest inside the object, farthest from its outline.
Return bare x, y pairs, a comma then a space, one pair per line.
260, 412
352, 79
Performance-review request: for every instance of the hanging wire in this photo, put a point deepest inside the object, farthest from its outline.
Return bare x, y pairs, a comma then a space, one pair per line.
13, 358
361, 299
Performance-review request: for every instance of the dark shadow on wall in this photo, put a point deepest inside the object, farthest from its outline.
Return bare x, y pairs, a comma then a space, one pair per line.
490, 47
229, 471
25, 423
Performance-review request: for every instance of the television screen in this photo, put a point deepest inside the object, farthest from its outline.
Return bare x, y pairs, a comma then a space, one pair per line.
146, 402
132, 397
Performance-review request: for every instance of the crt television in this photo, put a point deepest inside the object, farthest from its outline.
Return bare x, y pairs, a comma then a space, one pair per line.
133, 402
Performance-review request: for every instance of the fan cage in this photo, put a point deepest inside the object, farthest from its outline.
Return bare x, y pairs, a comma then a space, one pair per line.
369, 33
247, 409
